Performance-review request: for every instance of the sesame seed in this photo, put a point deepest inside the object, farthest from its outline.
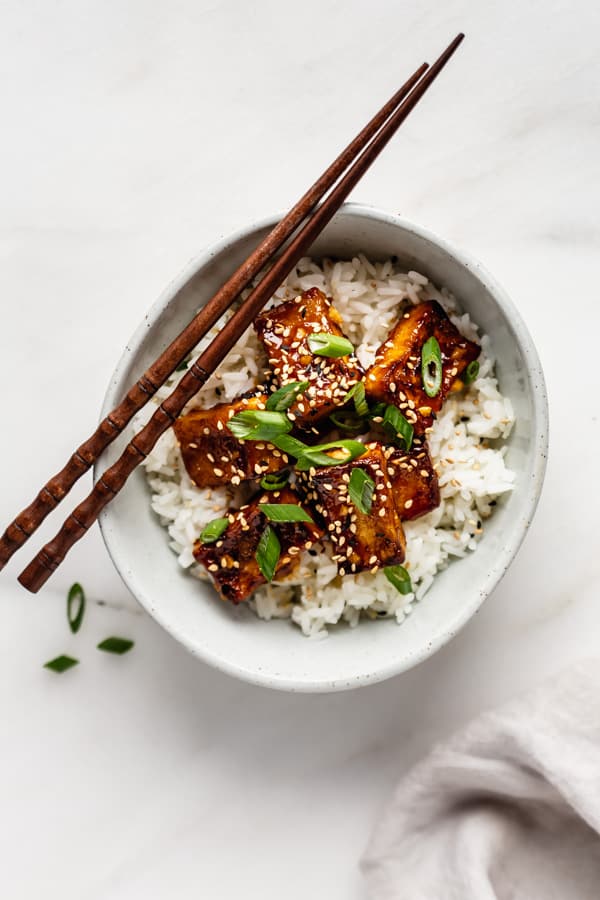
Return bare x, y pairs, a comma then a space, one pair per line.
408, 504
382, 512
218, 472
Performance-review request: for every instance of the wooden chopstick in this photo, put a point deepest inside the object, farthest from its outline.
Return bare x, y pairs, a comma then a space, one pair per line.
86, 513
26, 523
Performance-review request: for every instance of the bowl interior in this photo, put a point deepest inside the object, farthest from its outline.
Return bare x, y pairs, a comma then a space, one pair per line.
275, 653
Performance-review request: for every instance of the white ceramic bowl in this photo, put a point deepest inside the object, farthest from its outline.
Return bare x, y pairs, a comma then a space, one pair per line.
275, 653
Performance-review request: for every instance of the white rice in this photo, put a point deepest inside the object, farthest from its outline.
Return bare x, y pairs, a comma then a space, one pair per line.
465, 445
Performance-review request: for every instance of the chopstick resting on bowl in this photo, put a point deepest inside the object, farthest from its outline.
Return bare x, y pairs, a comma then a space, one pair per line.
358, 156
55, 490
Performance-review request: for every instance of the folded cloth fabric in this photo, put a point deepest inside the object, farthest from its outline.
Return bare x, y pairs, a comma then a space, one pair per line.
509, 808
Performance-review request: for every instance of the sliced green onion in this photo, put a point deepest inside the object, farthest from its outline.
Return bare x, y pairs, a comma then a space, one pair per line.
431, 367
398, 425
348, 397
471, 372
117, 645
259, 425
75, 607
361, 489
213, 530
358, 394
317, 455
61, 663
399, 577
377, 410
274, 481
284, 512
348, 420
286, 395
290, 445
183, 364
268, 553
324, 344
308, 456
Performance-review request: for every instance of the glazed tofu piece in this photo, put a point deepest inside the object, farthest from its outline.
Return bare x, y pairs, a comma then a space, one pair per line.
395, 376
213, 456
414, 480
231, 561
361, 541
284, 331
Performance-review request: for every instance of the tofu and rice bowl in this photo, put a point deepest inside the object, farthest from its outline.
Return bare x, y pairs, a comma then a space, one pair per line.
349, 447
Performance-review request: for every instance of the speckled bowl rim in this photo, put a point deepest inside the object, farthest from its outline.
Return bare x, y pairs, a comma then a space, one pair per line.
539, 448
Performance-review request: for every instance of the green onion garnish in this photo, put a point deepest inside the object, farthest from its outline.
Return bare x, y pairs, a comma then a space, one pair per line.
115, 645
286, 395
284, 512
324, 344
290, 445
75, 607
307, 456
268, 553
213, 530
348, 420
399, 577
396, 424
259, 425
317, 455
377, 410
471, 372
183, 364
431, 367
61, 663
357, 393
361, 489
274, 481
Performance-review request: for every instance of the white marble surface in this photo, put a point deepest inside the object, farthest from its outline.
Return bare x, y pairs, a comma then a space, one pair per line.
132, 135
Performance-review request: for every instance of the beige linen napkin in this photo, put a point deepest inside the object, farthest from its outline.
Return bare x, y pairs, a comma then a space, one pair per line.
507, 809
